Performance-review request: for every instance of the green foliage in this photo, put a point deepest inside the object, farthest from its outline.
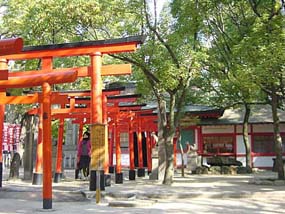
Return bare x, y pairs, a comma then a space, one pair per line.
227, 77
265, 50
219, 48
60, 21
213, 52
50, 21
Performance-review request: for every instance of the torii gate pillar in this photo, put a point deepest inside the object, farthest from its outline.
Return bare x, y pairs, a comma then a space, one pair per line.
80, 138
2, 113
107, 176
58, 170
96, 164
132, 171
141, 169
38, 174
47, 148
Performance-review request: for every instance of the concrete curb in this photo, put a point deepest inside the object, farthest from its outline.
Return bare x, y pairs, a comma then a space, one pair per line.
58, 196
139, 199
148, 196
244, 194
132, 203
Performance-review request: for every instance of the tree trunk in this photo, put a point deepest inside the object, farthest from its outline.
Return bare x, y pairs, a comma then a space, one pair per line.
15, 166
161, 142
245, 138
277, 136
165, 146
169, 169
29, 125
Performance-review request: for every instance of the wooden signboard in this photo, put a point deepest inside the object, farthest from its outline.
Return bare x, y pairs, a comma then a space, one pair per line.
99, 139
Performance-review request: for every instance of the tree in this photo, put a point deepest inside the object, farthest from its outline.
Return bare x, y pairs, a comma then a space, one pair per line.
170, 58
226, 25
162, 59
246, 56
262, 50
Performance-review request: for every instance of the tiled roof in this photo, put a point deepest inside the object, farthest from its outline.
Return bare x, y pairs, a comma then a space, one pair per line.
259, 114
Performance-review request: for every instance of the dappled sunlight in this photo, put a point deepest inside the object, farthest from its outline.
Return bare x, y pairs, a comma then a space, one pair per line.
222, 206
232, 114
189, 194
259, 113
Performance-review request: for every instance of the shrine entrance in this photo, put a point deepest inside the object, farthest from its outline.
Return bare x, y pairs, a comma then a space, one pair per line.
47, 53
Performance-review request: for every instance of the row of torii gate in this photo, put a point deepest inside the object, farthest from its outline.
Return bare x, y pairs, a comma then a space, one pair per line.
98, 106
127, 118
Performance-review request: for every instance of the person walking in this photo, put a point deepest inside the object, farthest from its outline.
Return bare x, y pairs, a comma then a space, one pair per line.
83, 155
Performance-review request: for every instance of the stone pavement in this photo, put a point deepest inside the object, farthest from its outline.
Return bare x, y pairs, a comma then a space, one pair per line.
196, 192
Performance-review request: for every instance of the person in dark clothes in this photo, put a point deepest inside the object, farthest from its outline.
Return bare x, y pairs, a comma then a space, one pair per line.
83, 154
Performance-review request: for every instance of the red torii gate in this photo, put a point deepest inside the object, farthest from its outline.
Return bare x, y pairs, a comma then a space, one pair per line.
132, 117
64, 98
116, 100
145, 123
111, 99
149, 125
123, 112
36, 80
75, 98
95, 49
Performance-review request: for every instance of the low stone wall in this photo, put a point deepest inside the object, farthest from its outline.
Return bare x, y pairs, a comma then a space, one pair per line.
221, 170
268, 181
223, 161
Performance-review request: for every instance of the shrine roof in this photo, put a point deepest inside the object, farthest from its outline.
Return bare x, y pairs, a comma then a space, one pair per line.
137, 39
122, 96
203, 111
260, 114
77, 91
133, 105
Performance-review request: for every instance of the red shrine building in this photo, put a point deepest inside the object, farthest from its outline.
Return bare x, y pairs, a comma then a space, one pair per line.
218, 132
213, 132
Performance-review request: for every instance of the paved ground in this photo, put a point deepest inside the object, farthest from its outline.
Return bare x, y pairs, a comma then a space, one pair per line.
192, 194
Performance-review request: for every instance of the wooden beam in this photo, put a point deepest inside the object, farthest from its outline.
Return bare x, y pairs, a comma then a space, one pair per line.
3, 69
35, 98
116, 69
68, 115
107, 70
117, 101
85, 93
56, 98
39, 79
11, 46
79, 48
70, 110
19, 99
74, 51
